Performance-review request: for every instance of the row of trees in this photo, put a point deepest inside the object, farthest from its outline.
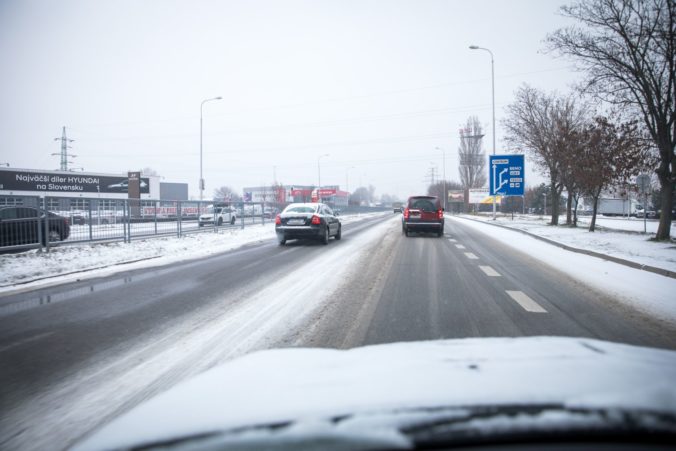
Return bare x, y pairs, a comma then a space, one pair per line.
627, 51
581, 152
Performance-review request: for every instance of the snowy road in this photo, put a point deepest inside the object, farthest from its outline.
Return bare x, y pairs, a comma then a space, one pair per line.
76, 355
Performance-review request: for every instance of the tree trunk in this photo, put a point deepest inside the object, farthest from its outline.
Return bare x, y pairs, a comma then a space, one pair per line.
554, 194
577, 201
569, 205
667, 199
592, 224
667, 178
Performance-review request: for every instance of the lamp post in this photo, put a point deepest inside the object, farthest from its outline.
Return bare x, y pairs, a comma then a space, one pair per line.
476, 47
443, 151
319, 177
201, 176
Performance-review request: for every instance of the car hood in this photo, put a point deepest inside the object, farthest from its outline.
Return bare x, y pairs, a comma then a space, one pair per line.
387, 384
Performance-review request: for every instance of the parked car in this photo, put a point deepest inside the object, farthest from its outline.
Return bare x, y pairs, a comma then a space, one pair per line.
19, 225
423, 214
311, 220
222, 215
78, 219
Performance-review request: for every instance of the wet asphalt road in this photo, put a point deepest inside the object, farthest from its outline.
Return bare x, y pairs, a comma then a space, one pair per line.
59, 344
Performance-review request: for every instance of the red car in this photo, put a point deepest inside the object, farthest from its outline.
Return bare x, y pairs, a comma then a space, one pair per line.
423, 214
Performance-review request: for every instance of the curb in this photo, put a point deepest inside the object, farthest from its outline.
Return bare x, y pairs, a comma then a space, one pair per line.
621, 261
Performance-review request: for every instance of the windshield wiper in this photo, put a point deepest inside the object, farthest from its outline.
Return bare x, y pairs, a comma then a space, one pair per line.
541, 422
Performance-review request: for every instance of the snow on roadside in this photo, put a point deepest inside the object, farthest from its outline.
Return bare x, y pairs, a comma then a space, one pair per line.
648, 292
634, 247
69, 263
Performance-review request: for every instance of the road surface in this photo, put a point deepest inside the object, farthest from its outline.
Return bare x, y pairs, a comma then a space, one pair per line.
75, 356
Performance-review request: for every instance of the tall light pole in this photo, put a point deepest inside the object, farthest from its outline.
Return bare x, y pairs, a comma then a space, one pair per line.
319, 177
201, 176
445, 191
476, 47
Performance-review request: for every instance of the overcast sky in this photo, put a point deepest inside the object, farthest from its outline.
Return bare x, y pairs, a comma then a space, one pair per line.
377, 85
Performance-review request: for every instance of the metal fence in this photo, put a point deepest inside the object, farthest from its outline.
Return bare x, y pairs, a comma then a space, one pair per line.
29, 222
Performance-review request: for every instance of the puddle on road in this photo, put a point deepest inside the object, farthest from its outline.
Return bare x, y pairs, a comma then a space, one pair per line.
43, 297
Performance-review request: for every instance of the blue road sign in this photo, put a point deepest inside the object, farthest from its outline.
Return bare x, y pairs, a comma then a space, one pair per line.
506, 173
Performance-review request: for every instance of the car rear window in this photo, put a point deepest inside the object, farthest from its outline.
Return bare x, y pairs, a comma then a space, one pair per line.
423, 204
300, 209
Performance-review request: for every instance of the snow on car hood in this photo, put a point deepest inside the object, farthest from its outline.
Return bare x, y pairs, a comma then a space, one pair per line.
310, 385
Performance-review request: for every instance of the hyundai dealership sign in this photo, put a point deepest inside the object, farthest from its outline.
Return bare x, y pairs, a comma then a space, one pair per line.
67, 182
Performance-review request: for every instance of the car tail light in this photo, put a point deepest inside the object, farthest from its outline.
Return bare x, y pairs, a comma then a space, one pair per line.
406, 213
278, 220
316, 220
440, 213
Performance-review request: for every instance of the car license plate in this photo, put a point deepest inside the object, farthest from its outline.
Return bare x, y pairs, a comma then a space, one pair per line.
296, 222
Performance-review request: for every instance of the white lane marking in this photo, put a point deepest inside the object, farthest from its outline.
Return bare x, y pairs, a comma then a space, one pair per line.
452, 240
526, 302
489, 271
459, 246
471, 256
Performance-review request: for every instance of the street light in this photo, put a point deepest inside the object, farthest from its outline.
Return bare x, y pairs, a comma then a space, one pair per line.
201, 176
319, 177
445, 191
476, 47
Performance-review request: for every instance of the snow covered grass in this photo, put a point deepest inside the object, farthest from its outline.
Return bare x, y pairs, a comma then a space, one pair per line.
619, 242
67, 263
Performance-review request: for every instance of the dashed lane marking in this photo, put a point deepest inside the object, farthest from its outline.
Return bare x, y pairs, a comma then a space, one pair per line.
526, 302
471, 256
460, 246
489, 271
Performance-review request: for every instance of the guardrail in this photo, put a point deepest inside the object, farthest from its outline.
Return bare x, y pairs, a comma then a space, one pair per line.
29, 222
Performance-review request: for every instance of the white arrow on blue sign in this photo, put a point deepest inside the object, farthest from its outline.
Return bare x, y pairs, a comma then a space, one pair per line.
506, 175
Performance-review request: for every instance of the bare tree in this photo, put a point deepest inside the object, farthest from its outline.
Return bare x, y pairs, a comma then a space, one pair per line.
568, 122
472, 157
542, 125
608, 156
363, 195
627, 49
226, 193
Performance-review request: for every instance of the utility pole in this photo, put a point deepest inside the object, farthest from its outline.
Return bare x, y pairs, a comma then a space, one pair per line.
431, 175
64, 149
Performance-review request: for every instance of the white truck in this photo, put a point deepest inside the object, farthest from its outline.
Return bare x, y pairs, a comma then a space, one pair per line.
617, 207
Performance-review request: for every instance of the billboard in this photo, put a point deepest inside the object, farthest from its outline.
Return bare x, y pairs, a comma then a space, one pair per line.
479, 196
456, 196
68, 182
